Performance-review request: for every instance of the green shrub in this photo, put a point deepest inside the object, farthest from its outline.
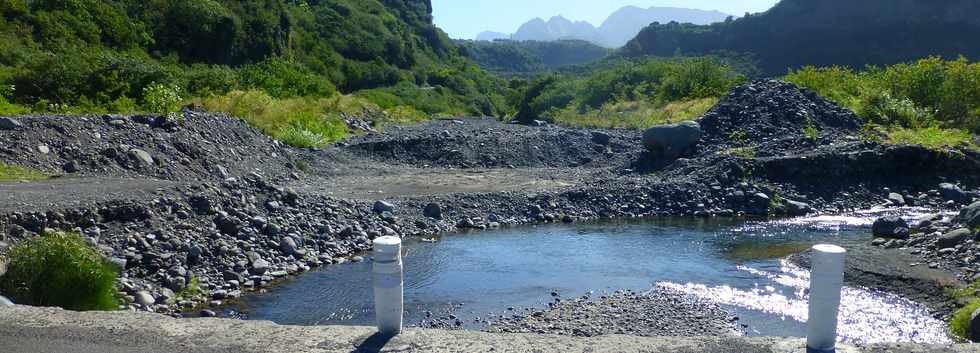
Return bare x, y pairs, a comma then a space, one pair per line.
284, 79
60, 269
7, 108
162, 99
920, 94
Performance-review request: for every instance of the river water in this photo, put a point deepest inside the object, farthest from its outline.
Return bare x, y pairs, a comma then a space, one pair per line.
736, 263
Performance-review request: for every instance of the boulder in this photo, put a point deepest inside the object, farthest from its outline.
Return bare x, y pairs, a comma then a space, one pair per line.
141, 156
951, 192
672, 141
144, 298
432, 210
896, 199
970, 216
953, 238
601, 138
974, 331
5, 301
382, 206
796, 208
890, 227
10, 124
259, 267
288, 246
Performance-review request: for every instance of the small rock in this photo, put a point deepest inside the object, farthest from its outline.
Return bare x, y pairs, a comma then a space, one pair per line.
432, 210
382, 206
144, 298
208, 313
890, 227
5, 301
970, 215
44, 149
259, 267
287, 245
896, 199
141, 156
953, 238
601, 138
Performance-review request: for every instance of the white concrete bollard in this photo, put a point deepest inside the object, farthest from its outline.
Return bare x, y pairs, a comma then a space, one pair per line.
388, 285
826, 279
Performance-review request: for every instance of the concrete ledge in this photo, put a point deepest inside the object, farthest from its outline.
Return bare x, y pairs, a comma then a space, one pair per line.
29, 329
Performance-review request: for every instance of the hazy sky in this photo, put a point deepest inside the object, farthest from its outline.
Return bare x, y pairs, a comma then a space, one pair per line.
466, 18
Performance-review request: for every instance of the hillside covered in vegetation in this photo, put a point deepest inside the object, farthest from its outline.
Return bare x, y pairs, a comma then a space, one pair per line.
527, 58
797, 33
125, 55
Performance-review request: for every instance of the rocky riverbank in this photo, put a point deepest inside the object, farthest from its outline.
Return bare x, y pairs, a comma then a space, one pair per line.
202, 209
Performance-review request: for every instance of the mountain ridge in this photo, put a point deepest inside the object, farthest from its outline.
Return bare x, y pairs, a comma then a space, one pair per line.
620, 27
797, 33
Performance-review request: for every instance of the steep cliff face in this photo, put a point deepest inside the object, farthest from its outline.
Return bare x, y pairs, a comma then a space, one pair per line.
795, 33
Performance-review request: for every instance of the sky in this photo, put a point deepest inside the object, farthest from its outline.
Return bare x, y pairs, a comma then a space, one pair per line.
464, 19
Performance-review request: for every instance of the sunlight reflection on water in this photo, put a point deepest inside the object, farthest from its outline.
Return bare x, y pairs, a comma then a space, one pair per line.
865, 316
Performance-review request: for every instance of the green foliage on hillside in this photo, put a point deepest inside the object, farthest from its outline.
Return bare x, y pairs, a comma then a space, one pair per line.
60, 269
630, 94
929, 92
527, 58
113, 55
797, 33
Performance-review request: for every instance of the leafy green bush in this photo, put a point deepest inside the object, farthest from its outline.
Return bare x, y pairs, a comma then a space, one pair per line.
284, 79
60, 269
920, 94
7, 108
161, 99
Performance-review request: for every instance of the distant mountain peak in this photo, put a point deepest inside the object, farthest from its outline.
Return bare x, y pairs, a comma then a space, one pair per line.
615, 31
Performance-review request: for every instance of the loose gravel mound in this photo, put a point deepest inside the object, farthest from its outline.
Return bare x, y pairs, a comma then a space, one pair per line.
485, 142
188, 147
775, 118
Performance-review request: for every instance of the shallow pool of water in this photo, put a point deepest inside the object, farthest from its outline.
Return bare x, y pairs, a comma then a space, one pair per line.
732, 262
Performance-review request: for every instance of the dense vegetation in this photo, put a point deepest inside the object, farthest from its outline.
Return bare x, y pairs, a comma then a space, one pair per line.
127, 55
930, 101
527, 58
797, 33
60, 269
629, 93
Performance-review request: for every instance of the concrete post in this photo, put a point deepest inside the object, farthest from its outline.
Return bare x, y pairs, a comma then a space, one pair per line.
826, 279
388, 285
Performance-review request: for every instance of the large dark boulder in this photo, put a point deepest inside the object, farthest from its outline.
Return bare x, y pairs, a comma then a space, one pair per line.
890, 227
952, 192
970, 216
974, 331
672, 141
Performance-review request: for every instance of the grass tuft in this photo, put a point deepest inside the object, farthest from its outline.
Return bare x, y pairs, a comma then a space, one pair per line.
9, 172
60, 269
932, 137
